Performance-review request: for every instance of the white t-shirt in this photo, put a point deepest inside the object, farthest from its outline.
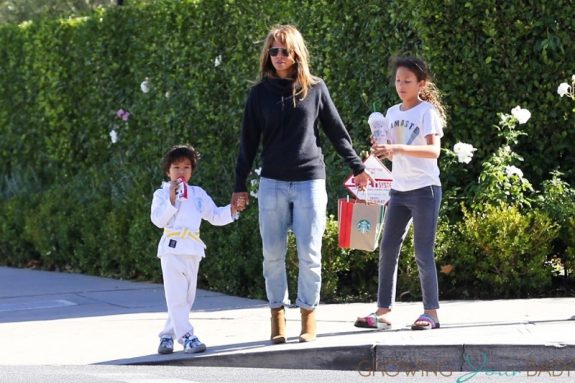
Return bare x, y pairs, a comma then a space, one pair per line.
410, 128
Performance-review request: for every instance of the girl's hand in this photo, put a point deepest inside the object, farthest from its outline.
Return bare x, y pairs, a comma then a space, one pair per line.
385, 150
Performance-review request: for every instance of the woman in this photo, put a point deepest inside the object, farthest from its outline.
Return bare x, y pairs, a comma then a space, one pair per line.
283, 111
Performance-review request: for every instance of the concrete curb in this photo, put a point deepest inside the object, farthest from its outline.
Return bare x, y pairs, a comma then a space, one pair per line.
386, 360
330, 358
490, 357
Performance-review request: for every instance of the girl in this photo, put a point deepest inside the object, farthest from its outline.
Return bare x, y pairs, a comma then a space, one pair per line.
415, 127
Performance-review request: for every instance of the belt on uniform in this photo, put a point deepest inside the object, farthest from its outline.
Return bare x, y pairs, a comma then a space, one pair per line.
185, 234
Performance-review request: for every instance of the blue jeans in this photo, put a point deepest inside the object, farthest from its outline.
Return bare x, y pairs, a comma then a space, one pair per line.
300, 206
420, 206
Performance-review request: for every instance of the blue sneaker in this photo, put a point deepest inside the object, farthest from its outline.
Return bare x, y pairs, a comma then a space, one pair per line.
166, 345
193, 345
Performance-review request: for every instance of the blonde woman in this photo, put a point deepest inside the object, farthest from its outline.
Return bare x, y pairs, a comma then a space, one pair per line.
284, 111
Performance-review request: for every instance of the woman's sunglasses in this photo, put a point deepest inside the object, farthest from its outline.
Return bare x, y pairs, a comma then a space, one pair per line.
275, 51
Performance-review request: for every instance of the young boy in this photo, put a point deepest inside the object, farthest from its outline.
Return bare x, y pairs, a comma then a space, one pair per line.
178, 208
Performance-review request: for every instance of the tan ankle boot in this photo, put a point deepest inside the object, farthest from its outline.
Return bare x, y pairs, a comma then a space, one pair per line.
278, 325
307, 325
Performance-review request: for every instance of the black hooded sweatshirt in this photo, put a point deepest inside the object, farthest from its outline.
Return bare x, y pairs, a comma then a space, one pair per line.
289, 134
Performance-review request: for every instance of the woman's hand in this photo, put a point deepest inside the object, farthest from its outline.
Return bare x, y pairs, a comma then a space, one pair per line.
362, 180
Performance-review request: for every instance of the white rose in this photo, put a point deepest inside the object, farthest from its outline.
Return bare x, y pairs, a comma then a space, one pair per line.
522, 115
113, 136
513, 171
464, 152
145, 86
563, 89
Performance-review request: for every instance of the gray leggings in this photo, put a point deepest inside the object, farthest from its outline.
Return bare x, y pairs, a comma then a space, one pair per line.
420, 206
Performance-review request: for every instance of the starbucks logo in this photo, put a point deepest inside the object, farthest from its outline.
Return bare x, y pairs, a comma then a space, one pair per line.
363, 226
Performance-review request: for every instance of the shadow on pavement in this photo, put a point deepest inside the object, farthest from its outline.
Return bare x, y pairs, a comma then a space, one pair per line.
33, 295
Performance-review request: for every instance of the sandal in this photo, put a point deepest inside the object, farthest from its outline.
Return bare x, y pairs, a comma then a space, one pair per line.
372, 321
430, 323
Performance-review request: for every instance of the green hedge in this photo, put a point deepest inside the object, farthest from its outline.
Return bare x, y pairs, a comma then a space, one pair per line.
70, 199
490, 56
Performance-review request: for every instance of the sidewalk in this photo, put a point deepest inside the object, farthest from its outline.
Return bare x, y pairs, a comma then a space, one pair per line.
69, 319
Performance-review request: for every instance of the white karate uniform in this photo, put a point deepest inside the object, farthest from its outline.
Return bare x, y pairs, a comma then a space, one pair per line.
180, 250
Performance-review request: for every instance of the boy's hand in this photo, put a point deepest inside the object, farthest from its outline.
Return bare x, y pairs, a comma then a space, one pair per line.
240, 200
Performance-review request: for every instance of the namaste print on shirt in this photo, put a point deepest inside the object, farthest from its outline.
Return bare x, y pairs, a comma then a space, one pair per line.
407, 129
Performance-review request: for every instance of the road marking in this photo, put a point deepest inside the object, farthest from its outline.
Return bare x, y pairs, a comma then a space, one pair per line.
38, 305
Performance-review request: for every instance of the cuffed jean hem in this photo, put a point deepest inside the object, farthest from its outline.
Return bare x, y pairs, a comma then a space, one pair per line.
306, 307
278, 305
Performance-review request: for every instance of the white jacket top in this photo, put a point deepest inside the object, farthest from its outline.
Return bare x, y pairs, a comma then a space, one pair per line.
181, 223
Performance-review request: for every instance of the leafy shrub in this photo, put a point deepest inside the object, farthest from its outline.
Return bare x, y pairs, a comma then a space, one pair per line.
501, 252
19, 196
557, 199
16, 248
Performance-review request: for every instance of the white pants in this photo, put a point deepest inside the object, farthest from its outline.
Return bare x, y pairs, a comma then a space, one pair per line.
180, 273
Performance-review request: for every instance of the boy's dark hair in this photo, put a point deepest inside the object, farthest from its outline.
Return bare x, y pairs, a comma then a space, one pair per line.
177, 152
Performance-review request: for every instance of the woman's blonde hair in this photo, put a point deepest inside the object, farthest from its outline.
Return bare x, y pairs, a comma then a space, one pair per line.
430, 93
293, 40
